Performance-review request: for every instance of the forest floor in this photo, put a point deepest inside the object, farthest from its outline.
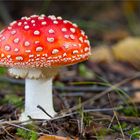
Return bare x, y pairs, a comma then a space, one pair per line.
94, 100
107, 107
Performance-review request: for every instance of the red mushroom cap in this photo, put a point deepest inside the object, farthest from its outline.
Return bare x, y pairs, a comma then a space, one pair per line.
40, 41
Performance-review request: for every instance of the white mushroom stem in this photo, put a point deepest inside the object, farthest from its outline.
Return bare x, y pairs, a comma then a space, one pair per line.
38, 92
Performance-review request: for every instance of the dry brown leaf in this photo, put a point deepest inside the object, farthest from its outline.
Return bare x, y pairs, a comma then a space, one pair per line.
128, 50
101, 54
53, 137
49, 137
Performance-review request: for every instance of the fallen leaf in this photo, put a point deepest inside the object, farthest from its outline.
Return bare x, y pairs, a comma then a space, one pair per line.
128, 50
101, 54
53, 137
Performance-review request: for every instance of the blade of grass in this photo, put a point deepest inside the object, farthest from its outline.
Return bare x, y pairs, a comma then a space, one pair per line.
111, 88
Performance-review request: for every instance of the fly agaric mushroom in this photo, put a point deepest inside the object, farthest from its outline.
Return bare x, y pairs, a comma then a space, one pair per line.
35, 48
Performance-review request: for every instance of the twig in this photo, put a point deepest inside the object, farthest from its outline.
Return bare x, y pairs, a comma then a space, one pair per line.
18, 126
82, 123
59, 117
41, 108
111, 122
7, 132
85, 111
135, 120
14, 122
116, 116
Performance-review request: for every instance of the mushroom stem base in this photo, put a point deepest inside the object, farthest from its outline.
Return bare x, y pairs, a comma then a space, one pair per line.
38, 92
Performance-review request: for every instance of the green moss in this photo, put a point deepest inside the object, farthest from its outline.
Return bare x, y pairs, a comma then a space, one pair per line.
3, 70
130, 111
85, 72
117, 127
27, 135
135, 133
13, 99
102, 133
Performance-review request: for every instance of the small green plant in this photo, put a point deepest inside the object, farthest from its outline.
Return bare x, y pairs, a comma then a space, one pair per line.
130, 111
13, 99
85, 72
2, 71
87, 119
59, 84
27, 135
117, 127
135, 133
101, 134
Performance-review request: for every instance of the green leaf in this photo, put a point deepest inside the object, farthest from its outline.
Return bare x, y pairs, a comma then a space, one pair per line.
85, 72
27, 135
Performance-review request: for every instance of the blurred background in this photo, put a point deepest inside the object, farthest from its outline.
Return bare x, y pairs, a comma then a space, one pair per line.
113, 28
108, 20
